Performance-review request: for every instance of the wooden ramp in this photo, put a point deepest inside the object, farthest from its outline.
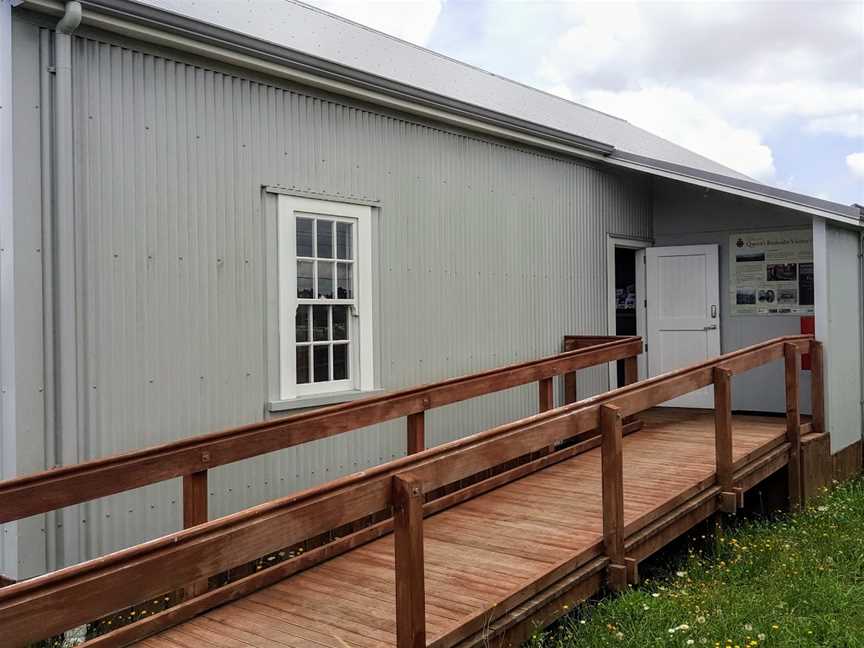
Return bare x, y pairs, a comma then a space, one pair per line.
491, 552
474, 540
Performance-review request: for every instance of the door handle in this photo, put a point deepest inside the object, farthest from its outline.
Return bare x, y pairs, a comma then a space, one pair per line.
710, 327
713, 311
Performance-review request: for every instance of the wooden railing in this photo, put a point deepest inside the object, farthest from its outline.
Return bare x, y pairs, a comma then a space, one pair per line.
191, 458
75, 595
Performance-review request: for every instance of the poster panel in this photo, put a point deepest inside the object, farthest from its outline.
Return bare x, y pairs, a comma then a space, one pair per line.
771, 273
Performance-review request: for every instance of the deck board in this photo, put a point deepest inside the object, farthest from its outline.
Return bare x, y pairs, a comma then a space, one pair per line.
482, 551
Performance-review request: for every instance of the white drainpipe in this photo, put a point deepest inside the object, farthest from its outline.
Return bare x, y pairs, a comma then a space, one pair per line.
861, 323
64, 281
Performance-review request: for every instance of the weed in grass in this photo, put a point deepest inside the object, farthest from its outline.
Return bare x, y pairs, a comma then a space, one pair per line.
795, 582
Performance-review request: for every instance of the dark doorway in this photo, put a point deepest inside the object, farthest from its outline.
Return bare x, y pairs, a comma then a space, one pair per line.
625, 297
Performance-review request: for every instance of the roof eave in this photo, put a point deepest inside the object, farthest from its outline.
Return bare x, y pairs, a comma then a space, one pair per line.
172, 30
811, 205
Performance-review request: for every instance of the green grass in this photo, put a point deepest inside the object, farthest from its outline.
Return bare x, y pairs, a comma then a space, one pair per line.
793, 582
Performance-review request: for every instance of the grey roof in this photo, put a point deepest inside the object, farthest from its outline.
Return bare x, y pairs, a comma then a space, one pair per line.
751, 187
330, 47
306, 29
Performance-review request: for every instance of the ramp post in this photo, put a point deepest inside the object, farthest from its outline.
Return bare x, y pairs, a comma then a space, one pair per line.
195, 513
792, 359
570, 395
416, 432
631, 370
408, 549
631, 375
817, 386
612, 478
546, 395
723, 438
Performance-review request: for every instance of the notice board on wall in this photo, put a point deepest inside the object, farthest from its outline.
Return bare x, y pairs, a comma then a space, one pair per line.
771, 273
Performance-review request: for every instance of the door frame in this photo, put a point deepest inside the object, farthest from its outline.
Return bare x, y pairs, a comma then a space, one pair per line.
632, 243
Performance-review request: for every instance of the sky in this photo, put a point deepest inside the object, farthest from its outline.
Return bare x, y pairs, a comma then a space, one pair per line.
773, 89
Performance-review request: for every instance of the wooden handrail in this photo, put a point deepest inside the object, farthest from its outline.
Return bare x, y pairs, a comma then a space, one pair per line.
69, 485
39, 607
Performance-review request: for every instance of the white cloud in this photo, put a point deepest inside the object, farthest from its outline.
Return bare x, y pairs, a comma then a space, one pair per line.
410, 20
718, 78
849, 125
796, 97
613, 44
680, 117
832, 107
855, 162
725, 79
596, 38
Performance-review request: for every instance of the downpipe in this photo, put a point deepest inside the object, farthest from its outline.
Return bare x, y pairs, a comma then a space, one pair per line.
861, 323
63, 278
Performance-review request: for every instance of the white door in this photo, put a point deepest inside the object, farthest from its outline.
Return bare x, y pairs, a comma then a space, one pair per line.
683, 322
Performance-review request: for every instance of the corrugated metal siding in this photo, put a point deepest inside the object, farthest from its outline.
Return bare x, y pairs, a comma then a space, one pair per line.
24, 447
843, 337
488, 255
305, 29
687, 216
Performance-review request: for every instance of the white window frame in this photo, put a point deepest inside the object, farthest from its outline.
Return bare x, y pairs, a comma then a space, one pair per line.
360, 324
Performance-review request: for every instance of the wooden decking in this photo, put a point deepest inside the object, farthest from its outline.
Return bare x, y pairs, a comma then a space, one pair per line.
520, 519
490, 554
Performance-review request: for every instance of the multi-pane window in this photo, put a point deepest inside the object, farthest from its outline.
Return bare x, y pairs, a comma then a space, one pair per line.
325, 297
325, 284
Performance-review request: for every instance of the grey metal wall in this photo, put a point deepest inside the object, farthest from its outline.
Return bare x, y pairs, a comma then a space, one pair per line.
25, 443
690, 216
488, 254
842, 334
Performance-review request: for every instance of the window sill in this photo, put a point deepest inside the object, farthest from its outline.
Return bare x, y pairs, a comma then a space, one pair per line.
319, 400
